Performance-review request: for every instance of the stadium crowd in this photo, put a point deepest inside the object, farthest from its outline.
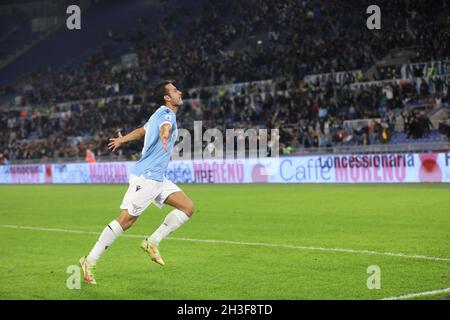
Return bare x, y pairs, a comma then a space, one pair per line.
307, 116
281, 40
287, 38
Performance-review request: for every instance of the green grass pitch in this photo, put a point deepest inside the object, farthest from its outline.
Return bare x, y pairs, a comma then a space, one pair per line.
298, 225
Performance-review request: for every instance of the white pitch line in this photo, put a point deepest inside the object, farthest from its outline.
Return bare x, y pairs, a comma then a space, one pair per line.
420, 294
258, 244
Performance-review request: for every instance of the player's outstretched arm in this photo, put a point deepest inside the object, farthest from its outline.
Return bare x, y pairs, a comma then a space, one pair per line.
164, 133
136, 134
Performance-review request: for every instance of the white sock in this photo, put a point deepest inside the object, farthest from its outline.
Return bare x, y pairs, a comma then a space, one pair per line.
173, 221
109, 234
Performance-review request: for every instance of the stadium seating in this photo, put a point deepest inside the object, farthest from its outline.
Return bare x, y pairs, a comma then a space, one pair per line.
314, 54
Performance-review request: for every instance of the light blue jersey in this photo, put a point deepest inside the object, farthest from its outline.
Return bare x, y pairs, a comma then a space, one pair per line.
155, 159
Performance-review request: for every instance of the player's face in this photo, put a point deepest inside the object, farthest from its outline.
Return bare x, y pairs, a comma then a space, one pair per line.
175, 95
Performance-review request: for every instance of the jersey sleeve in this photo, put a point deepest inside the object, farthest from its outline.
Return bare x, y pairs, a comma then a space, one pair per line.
146, 125
157, 120
165, 118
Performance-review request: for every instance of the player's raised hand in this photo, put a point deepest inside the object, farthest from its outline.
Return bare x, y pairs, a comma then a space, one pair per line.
115, 142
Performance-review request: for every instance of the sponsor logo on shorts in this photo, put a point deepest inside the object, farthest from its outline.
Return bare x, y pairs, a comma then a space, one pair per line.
138, 188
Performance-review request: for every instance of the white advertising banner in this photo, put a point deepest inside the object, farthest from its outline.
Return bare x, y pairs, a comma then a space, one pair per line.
357, 168
365, 168
28, 174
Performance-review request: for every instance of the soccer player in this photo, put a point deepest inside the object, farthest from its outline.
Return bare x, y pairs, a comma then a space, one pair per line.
147, 183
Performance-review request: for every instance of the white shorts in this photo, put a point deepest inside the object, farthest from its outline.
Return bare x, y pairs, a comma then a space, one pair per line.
142, 192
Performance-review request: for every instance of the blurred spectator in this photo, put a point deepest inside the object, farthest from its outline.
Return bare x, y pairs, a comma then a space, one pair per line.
90, 156
444, 130
3, 160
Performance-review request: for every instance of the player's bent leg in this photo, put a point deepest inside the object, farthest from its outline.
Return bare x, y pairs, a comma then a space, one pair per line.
138, 197
109, 234
126, 220
174, 219
182, 202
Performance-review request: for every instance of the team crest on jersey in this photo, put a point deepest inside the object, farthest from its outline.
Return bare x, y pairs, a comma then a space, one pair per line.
168, 117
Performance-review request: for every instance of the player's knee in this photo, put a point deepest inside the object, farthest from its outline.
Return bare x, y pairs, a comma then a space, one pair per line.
189, 209
126, 220
126, 225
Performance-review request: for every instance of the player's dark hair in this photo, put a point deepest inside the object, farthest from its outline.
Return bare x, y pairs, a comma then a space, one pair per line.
160, 91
